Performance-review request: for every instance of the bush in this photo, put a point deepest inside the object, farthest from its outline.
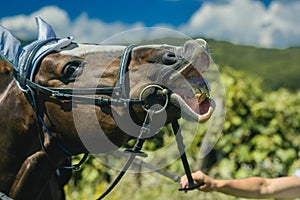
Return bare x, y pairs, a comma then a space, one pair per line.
261, 133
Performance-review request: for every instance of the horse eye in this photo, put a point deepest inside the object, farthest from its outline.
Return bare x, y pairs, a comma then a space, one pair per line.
71, 69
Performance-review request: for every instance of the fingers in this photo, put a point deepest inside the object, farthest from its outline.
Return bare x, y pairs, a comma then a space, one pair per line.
197, 176
184, 182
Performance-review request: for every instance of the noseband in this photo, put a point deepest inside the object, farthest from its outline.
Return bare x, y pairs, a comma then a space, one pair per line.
118, 96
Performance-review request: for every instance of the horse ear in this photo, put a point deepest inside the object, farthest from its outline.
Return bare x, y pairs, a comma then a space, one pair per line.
10, 47
45, 30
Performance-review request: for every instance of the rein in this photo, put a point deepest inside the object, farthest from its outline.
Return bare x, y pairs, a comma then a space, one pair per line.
136, 151
146, 132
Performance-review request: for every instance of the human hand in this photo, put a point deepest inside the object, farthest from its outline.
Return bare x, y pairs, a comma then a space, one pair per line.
199, 177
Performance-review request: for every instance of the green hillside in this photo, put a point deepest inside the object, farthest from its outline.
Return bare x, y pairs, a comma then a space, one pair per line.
279, 68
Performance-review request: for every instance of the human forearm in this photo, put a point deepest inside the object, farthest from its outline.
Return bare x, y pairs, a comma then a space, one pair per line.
249, 188
256, 187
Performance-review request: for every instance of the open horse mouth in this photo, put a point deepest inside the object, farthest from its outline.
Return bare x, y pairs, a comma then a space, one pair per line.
196, 105
195, 102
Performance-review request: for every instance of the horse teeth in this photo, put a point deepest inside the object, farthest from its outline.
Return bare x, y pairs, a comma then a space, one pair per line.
200, 97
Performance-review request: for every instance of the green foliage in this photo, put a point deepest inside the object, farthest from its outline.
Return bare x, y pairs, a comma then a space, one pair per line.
261, 133
260, 138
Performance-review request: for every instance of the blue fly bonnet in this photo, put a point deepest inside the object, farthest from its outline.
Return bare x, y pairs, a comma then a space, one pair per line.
25, 59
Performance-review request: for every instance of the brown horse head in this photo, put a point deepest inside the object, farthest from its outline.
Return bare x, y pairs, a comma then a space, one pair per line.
52, 79
151, 69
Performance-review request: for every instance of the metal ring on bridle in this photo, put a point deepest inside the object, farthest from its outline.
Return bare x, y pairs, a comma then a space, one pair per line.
163, 92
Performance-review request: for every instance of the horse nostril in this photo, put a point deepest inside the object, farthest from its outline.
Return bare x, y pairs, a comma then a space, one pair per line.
169, 58
171, 54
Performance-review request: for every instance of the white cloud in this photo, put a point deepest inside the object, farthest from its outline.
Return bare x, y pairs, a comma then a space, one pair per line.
248, 22
239, 21
234, 20
24, 27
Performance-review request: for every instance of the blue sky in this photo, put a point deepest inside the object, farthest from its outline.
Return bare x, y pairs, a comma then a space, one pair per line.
267, 23
150, 12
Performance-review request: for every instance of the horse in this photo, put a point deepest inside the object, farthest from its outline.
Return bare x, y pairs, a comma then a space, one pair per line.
67, 98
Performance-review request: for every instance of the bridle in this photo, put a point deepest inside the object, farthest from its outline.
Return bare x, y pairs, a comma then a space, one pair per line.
83, 96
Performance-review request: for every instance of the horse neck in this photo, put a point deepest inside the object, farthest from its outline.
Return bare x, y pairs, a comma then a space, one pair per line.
18, 137
17, 123
12, 99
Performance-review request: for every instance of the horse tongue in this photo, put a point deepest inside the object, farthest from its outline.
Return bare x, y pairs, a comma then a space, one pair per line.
200, 107
192, 110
